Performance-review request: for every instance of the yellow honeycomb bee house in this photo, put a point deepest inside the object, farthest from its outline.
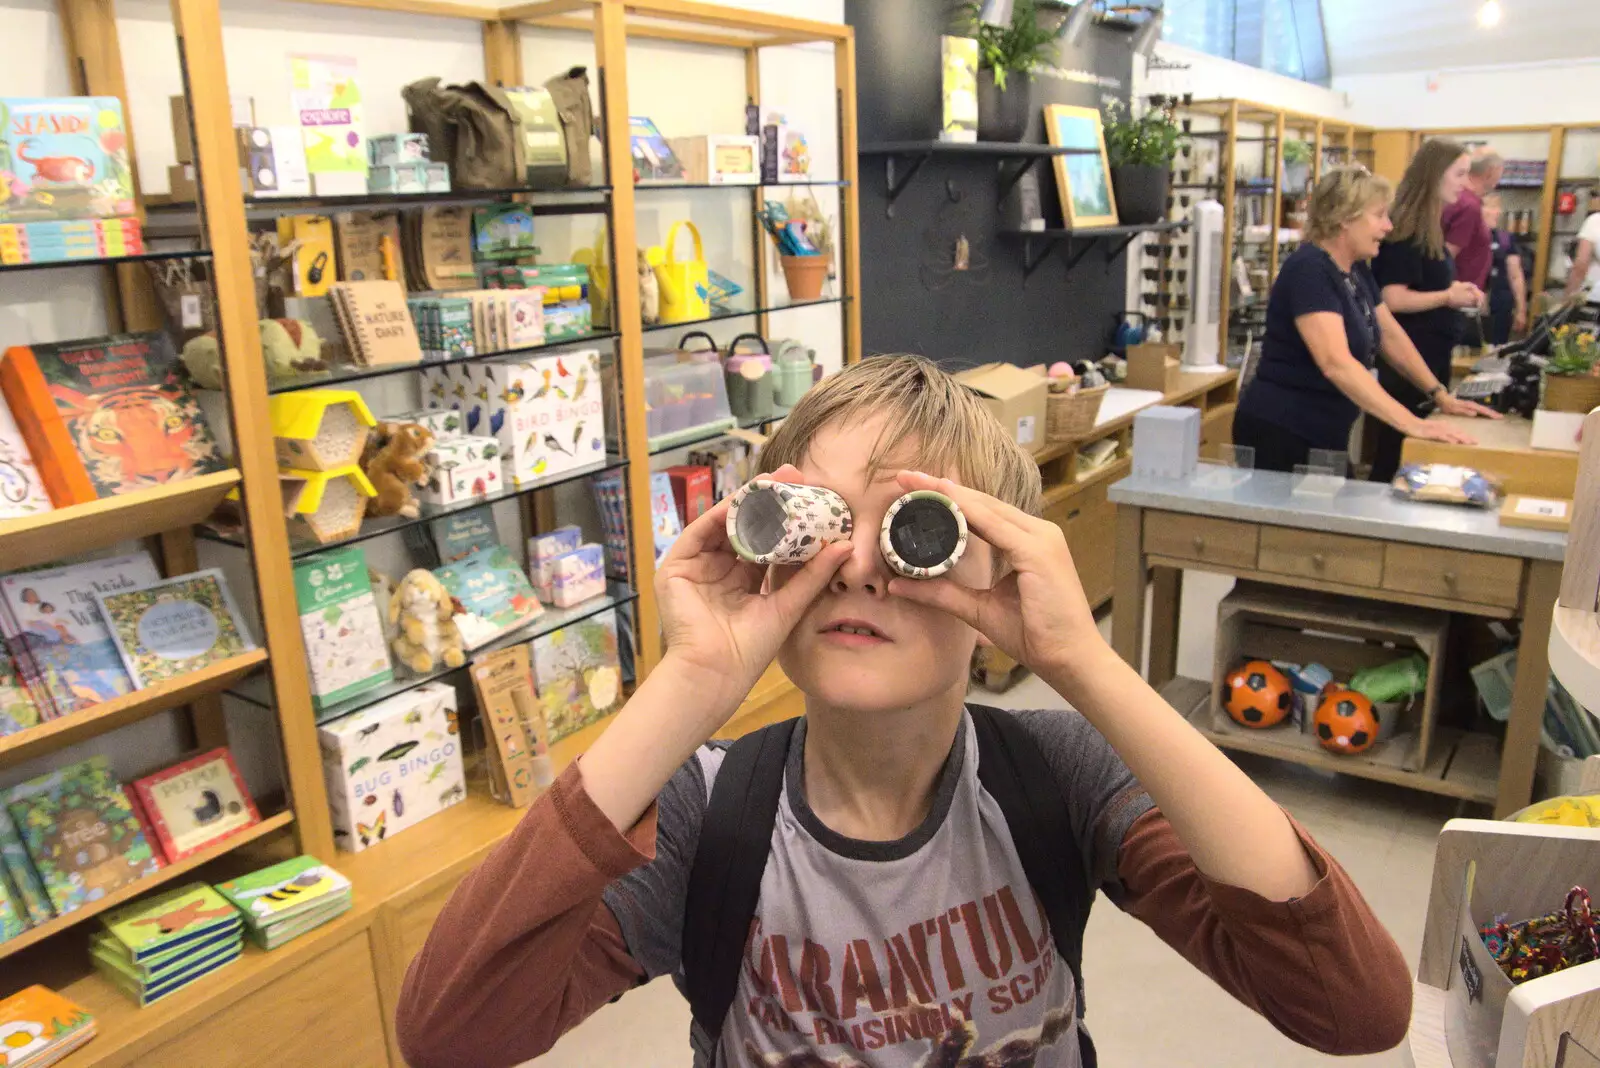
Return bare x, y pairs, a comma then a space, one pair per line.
320, 429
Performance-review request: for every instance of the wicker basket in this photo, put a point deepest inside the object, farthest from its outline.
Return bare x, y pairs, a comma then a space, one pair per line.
1071, 416
1571, 393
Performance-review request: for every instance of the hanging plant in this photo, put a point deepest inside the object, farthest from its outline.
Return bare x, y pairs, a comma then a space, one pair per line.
1021, 47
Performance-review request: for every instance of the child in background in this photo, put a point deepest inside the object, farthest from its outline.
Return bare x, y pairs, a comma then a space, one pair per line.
896, 924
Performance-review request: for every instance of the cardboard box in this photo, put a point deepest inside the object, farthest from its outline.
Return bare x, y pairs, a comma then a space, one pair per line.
544, 550
691, 491
1015, 396
244, 114
1155, 366
461, 469
718, 159
393, 765
547, 413
578, 576
288, 162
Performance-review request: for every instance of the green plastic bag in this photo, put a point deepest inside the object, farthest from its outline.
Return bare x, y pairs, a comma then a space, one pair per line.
1394, 680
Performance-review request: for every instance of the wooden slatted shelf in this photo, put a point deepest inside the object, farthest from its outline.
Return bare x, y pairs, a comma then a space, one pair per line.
109, 715
80, 528
171, 873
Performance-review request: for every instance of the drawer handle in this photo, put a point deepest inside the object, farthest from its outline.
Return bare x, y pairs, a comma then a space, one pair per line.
1450, 579
1318, 561
1199, 544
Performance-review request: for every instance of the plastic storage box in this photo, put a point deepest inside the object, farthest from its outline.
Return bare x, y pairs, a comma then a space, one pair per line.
684, 401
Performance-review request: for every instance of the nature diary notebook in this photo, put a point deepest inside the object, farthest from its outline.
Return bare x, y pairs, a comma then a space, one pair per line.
61, 629
377, 322
106, 416
80, 833
39, 1027
197, 803
170, 628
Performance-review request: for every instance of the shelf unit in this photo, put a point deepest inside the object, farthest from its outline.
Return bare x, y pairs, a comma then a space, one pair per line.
400, 885
1077, 243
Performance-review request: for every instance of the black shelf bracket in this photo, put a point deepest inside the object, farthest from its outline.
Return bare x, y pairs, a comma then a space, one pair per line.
895, 185
1010, 176
1112, 252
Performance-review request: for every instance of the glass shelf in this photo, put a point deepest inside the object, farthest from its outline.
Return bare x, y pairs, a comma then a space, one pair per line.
745, 313
579, 200
656, 187
355, 374
689, 439
257, 689
109, 261
300, 546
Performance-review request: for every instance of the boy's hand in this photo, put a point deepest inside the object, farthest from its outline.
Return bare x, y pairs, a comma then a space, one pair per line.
1038, 613
717, 621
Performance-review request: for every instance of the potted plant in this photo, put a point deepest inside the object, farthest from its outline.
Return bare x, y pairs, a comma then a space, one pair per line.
1140, 151
1296, 166
1572, 375
1007, 57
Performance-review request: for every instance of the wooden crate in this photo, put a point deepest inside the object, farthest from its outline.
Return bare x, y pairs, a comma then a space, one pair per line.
1345, 634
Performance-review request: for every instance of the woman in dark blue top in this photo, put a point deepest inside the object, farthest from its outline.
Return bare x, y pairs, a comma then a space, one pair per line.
1326, 325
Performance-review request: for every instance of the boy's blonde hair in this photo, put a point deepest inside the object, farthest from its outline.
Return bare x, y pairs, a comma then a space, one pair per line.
1342, 196
933, 423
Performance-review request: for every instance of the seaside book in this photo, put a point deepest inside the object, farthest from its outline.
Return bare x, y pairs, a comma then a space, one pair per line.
169, 628
495, 595
64, 158
80, 833
287, 899
62, 631
106, 416
339, 621
39, 1027
197, 803
19, 870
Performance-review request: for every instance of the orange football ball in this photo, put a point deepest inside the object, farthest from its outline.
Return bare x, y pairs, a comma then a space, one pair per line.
1346, 722
1258, 695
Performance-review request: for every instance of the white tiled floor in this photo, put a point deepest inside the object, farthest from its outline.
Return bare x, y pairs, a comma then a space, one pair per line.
1148, 1008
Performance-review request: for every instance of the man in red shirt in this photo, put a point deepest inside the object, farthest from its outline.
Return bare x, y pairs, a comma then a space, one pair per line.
1466, 235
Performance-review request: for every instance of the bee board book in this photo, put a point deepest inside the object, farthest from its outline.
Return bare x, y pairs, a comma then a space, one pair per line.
197, 803
61, 630
81, 834
392, 765
39, 1027
286, 892
170, 628
339, 621
107, 416
495, 595
64, 158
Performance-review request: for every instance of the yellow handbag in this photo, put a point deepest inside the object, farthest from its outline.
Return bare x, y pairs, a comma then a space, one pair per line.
685, 288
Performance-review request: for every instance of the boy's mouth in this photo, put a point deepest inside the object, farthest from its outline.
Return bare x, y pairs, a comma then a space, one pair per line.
856, 632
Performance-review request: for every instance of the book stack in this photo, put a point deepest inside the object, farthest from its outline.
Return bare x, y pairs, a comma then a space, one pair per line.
160, 945
288, 899
40, 1027
80, 239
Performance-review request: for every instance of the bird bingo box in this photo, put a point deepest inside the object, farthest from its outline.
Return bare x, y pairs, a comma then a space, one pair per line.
546, 412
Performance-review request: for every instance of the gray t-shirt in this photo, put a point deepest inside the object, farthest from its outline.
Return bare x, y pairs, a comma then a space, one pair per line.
914, 953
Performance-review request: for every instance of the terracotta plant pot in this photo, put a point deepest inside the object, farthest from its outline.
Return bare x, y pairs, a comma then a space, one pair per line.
805, 276
1571, 393
1003, 116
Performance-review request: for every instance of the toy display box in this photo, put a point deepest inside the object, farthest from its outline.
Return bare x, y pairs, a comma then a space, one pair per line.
461, 469
63, 158
543, 551
578, 576
547, 413
393, 765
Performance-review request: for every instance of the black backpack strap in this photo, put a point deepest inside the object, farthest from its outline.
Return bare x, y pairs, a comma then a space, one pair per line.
725, 880
1014, 772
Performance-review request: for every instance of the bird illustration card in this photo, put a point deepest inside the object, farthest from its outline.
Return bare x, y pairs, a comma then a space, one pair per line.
197, 803
284, 891
547, 412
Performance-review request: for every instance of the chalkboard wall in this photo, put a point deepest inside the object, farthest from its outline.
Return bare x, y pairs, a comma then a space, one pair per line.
912, 298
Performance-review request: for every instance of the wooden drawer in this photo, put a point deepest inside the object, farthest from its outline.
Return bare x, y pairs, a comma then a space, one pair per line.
1313, 554
1208, 541
1477, 578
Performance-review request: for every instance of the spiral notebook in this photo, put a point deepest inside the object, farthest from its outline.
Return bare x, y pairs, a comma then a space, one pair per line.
376, 322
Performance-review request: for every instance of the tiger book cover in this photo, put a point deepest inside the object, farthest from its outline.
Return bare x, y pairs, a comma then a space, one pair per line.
288, 892
39, 1027
63, 158
107, 415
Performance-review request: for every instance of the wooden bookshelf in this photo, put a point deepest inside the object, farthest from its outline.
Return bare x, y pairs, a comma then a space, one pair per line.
81, 528
269, 825
55, 734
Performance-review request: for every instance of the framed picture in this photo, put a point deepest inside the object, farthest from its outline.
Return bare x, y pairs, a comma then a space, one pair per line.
1083, 180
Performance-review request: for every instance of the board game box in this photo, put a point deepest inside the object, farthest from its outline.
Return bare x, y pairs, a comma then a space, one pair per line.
339, 621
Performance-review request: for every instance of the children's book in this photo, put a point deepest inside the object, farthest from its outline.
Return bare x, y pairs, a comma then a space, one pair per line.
27, 669
149, 993
279, 933
17, 709
464, 533
197, 803
578, 675
495, 595
106, 416
39, 1027
19, 870
327, 101
22, 490
13, 915
160, 967
63, 158
339, 620
653, 160
63, 632
84, 840
285, 892
155, 928
172, 627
